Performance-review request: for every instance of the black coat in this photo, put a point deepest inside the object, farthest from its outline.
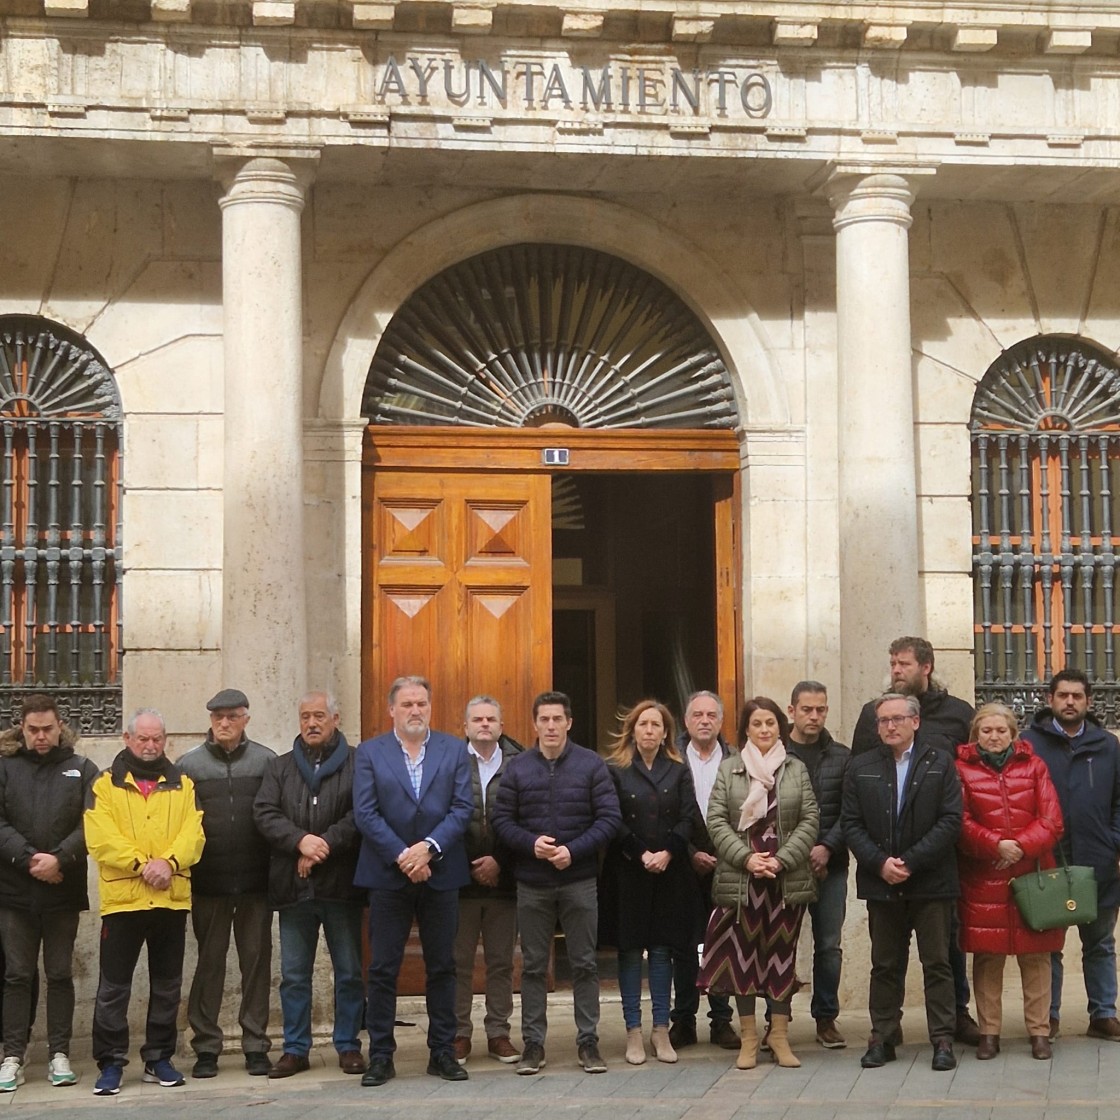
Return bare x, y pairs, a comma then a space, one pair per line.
945, 723
42, 798
236, 857
828, 785
480, 838
1086, 773
285, 812
924, 836
640, 909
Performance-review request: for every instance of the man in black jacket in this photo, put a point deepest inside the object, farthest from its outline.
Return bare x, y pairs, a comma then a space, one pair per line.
229, 887
305, 810
827, 762
946, 720
43, 790
901, 818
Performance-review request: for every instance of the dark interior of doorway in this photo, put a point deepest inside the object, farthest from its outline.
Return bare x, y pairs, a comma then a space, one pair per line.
633, 594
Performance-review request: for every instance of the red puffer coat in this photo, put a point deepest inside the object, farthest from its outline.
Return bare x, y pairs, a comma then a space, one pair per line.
1018, 803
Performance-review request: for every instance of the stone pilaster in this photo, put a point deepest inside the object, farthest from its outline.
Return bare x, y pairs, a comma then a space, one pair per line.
879, 591
264, 614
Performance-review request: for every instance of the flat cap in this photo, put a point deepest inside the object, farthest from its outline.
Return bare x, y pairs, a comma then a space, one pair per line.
228, 698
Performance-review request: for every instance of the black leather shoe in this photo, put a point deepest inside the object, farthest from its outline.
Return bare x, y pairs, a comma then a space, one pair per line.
444, 1065
943, 1057
723, 1035
257, 1064
878, 1054
206, 1066
682, 1033
380, 1070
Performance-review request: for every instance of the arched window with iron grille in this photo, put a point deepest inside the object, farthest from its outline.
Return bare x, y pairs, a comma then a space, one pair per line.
60, 532
1045, 474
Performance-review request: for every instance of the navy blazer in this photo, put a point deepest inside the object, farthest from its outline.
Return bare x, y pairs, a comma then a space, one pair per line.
391, 817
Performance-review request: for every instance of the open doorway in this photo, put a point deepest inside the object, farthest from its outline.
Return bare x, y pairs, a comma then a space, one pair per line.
634, 593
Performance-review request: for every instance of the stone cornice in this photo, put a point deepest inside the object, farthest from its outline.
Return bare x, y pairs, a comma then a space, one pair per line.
1043, 27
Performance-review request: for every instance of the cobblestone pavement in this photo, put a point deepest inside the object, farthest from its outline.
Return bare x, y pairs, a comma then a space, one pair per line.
1081, 1083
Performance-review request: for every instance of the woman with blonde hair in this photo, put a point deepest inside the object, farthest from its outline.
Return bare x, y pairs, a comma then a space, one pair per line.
763, 820
1012, 817
649, 894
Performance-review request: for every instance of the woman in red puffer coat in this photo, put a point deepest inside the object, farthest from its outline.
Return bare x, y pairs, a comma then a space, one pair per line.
1011, 819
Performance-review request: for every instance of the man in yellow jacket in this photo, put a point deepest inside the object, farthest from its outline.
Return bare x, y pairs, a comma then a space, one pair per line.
144, 831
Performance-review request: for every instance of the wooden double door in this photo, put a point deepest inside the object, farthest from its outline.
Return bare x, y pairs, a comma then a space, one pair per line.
458, 580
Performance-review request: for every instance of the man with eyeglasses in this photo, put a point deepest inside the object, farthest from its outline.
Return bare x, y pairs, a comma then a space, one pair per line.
901, 816
946, 720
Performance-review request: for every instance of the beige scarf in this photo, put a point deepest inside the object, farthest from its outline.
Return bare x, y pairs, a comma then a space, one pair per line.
761, 769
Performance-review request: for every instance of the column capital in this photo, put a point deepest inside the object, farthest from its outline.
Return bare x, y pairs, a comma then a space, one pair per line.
281, 177
881, 196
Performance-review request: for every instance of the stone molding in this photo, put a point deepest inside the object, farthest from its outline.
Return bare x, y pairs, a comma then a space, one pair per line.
1062, 27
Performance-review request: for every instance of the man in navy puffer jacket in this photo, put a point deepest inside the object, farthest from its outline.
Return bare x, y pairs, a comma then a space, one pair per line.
556, 808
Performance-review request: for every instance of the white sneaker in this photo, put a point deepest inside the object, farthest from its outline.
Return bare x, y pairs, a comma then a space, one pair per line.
11, 1074
59, 1071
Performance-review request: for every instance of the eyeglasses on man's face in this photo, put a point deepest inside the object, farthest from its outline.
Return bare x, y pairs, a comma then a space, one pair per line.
892, 721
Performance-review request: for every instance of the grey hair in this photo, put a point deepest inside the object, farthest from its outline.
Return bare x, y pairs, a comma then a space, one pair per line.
332, 703
481, 700
407, 682
912, 706
704, 694
145, 712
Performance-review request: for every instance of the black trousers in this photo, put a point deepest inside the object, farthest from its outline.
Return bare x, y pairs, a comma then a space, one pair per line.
23, 933
889, 924
122, 937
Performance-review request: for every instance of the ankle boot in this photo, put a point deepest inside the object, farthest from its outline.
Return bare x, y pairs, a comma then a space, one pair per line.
635, 1047
662, 1048
748, 1043
779, 1042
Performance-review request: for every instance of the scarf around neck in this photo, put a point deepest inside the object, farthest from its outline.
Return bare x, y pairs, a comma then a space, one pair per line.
761, 768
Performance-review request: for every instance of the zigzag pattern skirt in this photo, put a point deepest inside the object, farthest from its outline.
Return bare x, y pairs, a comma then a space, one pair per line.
751, 949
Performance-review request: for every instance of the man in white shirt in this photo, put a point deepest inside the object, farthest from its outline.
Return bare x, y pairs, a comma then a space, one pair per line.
704, 750
488, 905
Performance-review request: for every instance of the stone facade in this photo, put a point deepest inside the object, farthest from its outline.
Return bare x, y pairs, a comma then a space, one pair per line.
863, 204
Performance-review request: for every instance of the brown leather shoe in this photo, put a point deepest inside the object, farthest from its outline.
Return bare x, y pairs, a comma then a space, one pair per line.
461, 1048
350, 1061
988, 1047
502, 1050
1108, 1029
967, 1032
1041, 1048
1055, 1028
288, 1065
828, 1036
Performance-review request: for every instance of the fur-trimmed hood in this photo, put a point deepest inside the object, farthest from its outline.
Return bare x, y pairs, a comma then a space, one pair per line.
12, 740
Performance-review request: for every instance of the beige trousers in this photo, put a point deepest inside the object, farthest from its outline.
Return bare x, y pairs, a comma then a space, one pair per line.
987, 987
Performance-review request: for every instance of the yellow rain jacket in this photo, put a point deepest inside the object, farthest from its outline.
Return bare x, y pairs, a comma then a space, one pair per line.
124, 830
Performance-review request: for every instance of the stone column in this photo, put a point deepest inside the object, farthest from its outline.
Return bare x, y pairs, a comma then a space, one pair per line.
264, 617
878, 514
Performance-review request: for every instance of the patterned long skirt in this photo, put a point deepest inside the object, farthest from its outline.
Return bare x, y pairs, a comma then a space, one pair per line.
751, 950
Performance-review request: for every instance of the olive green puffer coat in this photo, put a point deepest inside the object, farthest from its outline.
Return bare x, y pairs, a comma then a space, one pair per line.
798, 819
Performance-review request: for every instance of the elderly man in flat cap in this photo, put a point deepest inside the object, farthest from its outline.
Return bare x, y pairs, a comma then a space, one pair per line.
230, 886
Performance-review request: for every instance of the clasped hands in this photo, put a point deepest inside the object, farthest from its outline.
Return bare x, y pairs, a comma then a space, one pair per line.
157, 874
558, 855
656, 862
45, 868
763, 866
414, 862
312, 850
1010, 853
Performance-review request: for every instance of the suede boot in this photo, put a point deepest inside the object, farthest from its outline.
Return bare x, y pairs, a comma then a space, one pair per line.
748, 1043
779, 1042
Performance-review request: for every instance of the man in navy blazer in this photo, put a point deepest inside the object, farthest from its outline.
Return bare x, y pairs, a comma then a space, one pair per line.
412, 805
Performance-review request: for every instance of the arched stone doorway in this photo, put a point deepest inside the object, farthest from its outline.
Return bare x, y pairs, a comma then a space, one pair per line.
550, 491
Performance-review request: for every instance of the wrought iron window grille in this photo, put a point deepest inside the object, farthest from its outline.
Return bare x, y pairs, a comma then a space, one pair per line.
1045, 433
60, 532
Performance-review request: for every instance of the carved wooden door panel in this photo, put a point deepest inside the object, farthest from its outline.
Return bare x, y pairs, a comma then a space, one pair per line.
461, 591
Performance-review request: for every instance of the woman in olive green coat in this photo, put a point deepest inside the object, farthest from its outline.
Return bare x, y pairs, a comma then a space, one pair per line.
763, 821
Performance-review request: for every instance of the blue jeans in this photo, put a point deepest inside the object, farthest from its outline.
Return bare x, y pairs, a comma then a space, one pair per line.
827, 916
299, 942
1098, 962
660, 984
390, 921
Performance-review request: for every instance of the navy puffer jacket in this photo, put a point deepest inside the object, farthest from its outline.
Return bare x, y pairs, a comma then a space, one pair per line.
571, 799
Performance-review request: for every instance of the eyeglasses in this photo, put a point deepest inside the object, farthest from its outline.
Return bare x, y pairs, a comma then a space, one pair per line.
892, 721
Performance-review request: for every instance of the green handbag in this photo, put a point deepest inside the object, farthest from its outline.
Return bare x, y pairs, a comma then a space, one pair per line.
1062, 896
